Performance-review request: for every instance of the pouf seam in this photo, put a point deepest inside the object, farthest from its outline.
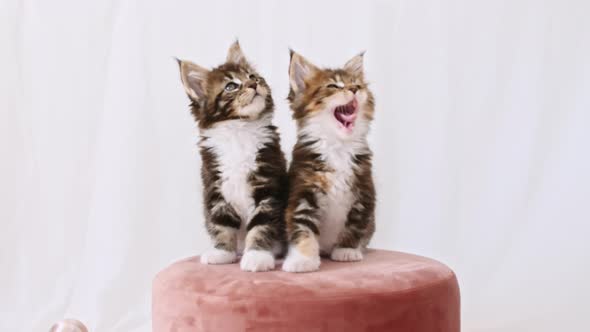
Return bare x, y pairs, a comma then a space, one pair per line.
352, 296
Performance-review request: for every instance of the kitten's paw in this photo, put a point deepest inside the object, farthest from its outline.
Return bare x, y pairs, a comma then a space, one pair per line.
296, 262
346, 254
218, 256
257, 261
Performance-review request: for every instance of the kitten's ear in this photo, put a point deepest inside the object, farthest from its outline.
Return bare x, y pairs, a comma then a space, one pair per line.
355, 65
235, 54
300, 70
193, 79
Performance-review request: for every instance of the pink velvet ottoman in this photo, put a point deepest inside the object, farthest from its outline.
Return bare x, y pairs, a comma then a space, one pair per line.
387, 291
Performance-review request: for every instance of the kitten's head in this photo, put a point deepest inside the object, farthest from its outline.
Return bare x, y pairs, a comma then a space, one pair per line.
338, 100
230, 91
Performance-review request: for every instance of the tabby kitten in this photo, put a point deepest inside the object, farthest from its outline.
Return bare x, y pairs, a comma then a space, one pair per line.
244, 170
330, 210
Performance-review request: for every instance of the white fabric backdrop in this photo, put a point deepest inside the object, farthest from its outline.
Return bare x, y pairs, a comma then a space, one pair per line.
481, 140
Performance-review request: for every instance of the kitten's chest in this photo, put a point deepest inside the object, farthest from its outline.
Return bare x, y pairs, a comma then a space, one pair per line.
235, 166
236, 150
338, 199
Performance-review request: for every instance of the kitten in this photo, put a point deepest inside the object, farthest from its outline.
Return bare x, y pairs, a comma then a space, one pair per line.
330, 210
244, 169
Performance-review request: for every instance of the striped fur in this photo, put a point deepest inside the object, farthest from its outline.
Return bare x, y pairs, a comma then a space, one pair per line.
244, 170
331, 203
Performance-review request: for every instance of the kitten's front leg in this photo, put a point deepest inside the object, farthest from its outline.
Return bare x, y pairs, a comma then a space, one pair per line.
223, 225
304, 249
265, 237
357, 232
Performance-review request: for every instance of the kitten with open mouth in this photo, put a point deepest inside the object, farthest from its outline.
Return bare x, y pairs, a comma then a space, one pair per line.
330, 210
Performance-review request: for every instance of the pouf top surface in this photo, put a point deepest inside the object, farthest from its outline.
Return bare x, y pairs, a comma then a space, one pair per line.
381, 271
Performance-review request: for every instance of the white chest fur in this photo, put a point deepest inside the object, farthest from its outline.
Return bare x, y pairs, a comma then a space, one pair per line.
336, 204
339, 198
235, 144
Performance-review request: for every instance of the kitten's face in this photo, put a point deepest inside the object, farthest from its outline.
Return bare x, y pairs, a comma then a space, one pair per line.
338, 100
233, 90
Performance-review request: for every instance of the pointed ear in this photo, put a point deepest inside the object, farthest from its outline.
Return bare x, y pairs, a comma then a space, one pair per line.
193, 79
355, 65
300, 70
235, 55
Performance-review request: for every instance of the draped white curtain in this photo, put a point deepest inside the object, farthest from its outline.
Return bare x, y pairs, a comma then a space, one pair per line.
481, 141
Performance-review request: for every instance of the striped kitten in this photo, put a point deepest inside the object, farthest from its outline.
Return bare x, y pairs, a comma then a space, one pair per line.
331, 203
244, 170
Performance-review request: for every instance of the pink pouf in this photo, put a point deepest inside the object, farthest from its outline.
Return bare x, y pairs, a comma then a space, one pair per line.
387, 291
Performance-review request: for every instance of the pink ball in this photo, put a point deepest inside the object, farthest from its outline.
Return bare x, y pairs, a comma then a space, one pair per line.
68, 325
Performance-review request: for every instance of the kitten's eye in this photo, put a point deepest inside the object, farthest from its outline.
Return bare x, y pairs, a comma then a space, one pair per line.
253, 77
231, 86
333, 86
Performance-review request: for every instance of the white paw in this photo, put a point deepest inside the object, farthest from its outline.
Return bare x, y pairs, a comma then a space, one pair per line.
218, 256
346, 254
257, 261
296, 262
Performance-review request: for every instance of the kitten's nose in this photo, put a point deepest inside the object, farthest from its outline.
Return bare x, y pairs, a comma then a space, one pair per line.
354, 89
252, 85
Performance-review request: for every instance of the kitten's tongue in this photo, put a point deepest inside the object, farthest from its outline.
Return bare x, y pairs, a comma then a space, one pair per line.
346, 114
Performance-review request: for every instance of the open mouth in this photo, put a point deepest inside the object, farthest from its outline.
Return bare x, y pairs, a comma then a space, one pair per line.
346, 114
